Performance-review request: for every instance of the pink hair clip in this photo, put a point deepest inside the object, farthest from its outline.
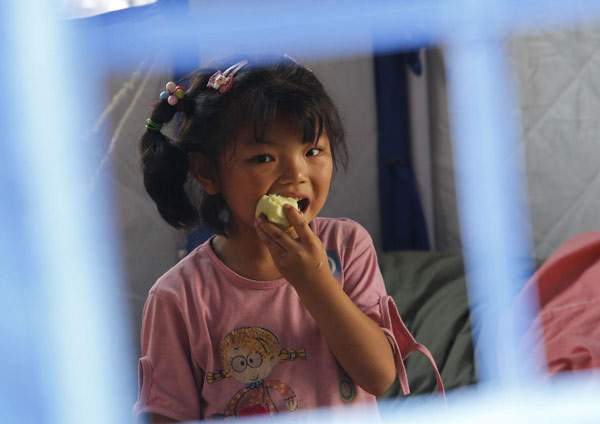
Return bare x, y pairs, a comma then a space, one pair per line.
223, 81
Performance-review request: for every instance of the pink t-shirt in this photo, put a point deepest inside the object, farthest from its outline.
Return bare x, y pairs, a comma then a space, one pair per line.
216, 344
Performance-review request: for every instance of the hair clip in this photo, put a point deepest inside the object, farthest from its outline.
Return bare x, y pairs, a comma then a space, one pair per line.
223, 81
288, 57
291, 59
173, 94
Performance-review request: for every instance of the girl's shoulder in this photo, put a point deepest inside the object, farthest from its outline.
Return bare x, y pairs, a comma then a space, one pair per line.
346, 225
339, 230
182, 276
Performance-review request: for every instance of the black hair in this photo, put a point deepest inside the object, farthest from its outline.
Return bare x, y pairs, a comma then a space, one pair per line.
264, 89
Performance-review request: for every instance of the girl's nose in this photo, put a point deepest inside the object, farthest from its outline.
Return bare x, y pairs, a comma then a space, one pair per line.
293, 171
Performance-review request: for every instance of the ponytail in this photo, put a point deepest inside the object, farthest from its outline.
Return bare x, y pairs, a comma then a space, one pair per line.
165, 169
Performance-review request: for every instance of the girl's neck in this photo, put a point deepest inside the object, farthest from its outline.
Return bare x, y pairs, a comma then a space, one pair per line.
246, 256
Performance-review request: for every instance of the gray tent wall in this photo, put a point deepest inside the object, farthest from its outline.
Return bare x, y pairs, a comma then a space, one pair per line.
148, 246
558, 89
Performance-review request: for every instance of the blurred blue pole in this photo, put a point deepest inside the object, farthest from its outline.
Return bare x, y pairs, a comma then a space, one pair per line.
320, 29
64, 328
491, 189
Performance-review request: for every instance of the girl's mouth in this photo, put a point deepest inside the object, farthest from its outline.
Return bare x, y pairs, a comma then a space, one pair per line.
303, 204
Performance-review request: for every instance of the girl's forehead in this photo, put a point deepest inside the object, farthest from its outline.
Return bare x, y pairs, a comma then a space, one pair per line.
276, 131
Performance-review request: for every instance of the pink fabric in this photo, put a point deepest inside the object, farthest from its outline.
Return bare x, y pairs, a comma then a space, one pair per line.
568, 285
192, 311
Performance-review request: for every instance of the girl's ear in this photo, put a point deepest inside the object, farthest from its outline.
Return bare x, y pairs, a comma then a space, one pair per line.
204, 172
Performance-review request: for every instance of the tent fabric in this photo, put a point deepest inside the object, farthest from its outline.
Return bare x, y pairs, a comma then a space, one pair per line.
148, 245
555, 72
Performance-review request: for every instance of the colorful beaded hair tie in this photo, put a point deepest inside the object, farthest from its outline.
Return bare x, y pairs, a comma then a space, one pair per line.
173, 94
223, 81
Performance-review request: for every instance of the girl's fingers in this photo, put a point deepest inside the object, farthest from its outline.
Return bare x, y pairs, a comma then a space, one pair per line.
296, 258
272, 235
297, 220
262, 233
275, 250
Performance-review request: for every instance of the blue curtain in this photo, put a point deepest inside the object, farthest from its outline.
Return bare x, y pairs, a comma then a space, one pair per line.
402, 222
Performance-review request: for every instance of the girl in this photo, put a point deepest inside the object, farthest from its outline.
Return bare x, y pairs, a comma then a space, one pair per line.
261, 127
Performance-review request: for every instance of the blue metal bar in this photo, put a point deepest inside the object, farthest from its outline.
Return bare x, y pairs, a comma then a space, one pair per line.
60, 251
320, 28
494, 217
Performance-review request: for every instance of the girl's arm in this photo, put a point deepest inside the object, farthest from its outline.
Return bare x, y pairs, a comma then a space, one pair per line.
357, 342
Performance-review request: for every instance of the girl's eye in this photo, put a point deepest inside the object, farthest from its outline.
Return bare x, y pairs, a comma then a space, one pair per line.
262, 158
314, 151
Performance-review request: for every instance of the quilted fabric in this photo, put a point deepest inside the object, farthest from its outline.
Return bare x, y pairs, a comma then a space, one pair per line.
556, 77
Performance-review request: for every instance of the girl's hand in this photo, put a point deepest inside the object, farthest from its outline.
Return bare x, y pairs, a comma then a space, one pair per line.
300, 260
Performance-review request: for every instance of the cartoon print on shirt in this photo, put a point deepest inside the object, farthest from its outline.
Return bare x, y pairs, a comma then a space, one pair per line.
334, 262
347, 388
249, 354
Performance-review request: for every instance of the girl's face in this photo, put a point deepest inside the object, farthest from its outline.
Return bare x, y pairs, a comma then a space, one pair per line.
281, 165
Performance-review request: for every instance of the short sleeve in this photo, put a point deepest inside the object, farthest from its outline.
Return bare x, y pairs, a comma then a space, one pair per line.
364, 284
362, 279
168, 378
